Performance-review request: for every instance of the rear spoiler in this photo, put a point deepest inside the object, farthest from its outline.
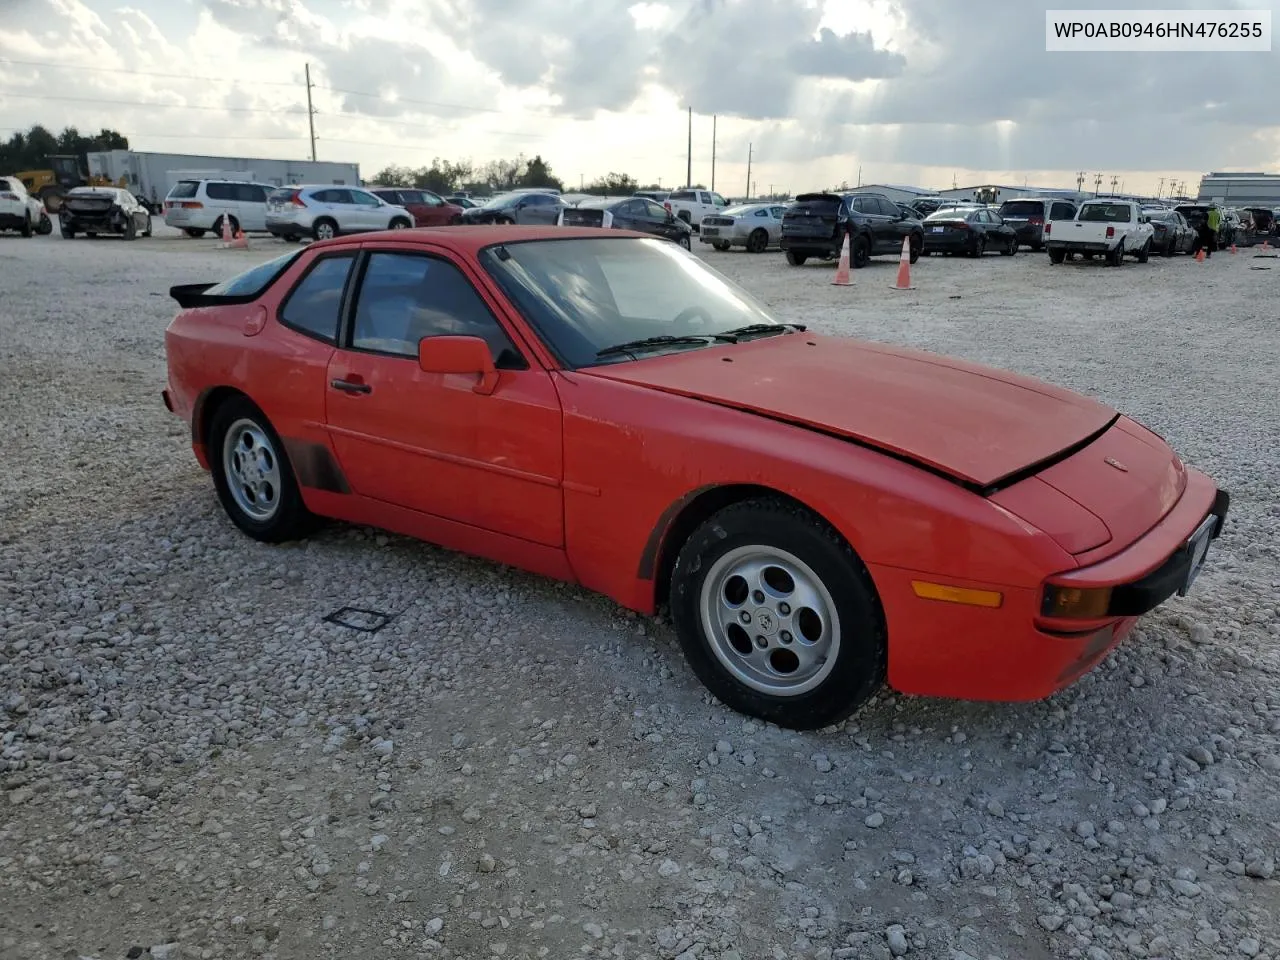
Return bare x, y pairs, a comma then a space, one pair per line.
191, 295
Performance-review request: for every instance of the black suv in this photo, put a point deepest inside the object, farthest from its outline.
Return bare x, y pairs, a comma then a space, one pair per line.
817, 223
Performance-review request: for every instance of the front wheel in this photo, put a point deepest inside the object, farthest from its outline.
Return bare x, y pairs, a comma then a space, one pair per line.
400, 223
722, 246
193, 233
685, 242
778, 616
796, 259
1010, 248
251, 475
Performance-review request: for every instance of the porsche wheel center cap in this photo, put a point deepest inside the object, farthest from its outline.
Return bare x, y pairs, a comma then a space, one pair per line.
765, 622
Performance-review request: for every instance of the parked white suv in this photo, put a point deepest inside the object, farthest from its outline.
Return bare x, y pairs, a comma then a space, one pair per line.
198, 206
322, 212
692, 205
18, 209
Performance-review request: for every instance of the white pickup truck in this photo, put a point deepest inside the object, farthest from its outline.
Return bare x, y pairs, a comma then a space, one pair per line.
694, 204
1113, 228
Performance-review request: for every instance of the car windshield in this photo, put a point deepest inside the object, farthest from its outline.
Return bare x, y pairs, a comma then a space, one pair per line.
1104, 213
254, 280
586, 294
1022, 208
740, 210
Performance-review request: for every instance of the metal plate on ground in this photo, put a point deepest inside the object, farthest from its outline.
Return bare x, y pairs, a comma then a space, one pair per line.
358, 618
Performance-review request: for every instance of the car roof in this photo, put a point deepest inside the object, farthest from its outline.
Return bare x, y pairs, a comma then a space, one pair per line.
474, 238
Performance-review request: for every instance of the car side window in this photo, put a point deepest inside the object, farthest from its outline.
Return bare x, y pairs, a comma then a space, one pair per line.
314, 305
405, 297
655, 210
250, 193
363, 199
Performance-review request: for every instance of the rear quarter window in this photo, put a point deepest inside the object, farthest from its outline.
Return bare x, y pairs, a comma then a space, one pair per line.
314, 305
256, 279
184, 190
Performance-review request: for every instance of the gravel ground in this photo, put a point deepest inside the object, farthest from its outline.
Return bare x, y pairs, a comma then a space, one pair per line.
195, 764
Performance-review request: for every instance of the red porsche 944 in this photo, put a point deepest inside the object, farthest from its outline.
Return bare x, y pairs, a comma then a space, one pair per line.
821, 516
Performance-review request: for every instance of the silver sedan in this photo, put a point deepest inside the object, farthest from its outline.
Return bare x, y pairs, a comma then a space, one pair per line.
756, 226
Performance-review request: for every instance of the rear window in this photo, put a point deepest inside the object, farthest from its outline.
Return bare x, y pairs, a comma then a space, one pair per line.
948, 213
253, 281
184, 189
1104, 213
1022, 208
683, 195
823, 206
282, 195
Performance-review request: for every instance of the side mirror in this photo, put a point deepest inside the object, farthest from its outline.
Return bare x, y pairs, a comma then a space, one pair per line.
450, 354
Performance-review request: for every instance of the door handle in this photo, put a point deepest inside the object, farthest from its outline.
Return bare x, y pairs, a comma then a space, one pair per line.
350, 386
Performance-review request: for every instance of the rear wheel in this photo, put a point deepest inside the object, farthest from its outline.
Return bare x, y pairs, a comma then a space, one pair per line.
147, 231
859, 252
27, 229
1116, 257
1010, 248
251, 475
130, 228
796, 259
235, 224
915, 247
685, 242
1057, 256
1145, 253
193, 233
758, 241
979, 247
400, 223
721, 245
777, 615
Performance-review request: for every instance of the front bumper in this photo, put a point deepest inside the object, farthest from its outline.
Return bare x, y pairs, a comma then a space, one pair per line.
1014, 654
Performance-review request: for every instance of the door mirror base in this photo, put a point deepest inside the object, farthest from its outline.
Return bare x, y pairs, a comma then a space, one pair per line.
452, 354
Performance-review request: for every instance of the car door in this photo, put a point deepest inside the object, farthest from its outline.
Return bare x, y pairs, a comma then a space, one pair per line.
631, 216
253, 206
897, 227
335, 203
370, 212
653, 218
869, 211
428, 441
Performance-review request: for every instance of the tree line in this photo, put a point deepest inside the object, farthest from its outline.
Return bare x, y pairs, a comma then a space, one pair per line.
31, 149
497, 176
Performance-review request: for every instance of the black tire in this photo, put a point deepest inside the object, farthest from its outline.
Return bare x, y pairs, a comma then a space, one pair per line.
46, 225
67, 232
1171, 247
321, 226
685, 241
758, 241
1145, 253
290, 518
217, 225
915, 247
1037, 247
400, 223
859, 664
130, 228
859, 252
194, 233
1116, 258
979, 246
1011, 248
1057, 256
796, 259
27, 229
722, 246
147, 232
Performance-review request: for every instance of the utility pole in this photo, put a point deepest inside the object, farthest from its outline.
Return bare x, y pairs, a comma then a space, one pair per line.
749, 148
1097, 184
1114, 181
688, 175
713, 152
1080, 181
311, 115
1160, 189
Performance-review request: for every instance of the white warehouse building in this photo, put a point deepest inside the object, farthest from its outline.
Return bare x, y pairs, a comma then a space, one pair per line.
152, 175
1241, 189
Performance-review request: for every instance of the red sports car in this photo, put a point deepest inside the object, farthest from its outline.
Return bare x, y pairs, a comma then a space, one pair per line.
821, 515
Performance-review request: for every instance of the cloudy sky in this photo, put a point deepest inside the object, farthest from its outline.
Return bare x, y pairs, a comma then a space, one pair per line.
908, 91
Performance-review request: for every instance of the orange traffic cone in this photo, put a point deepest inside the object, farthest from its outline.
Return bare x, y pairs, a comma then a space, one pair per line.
1200, 255
1266, 245
226, 231
904, 267
842, 277
1233, 248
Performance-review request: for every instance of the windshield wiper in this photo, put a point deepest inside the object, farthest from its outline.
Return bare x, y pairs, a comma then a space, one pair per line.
661, 341
761, 328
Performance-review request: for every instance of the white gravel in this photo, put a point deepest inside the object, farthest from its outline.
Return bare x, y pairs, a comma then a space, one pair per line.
194, 764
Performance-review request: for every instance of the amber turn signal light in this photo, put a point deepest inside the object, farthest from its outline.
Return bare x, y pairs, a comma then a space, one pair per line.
1076, 603
940, 591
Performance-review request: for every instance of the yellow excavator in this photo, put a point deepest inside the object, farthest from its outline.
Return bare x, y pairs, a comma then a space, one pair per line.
64, 173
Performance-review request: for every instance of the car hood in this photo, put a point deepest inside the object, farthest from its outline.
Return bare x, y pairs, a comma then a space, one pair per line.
971, 423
